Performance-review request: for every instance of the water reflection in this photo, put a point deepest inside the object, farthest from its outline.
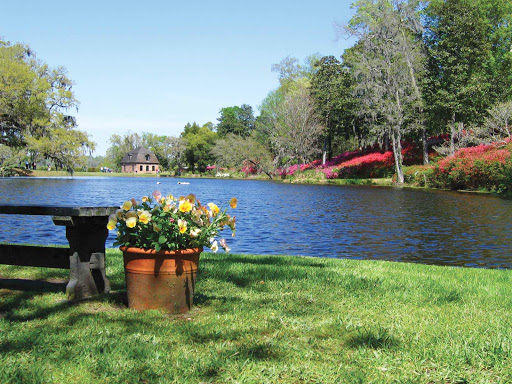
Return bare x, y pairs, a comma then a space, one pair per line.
433, 227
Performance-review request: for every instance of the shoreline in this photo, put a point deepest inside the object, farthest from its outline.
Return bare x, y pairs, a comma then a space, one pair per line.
373, 182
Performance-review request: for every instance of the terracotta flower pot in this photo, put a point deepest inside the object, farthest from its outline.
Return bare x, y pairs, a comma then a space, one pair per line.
160, 280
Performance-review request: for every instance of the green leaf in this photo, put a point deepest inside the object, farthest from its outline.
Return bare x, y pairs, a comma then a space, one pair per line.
157, 247
162, 239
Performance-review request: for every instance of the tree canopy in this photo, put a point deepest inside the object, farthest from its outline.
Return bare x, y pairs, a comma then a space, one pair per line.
236, 120
34, 102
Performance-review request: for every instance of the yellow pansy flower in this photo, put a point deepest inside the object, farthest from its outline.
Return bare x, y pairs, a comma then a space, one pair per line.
185, 206
214, 209
233, 202
131, 222
127, 205
145, 217
182, 225
112, 221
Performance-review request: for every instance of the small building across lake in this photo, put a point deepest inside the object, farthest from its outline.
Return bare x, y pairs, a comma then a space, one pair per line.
140, 160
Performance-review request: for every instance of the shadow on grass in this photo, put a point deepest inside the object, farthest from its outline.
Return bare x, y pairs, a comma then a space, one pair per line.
240, 270
33, 285
373, 338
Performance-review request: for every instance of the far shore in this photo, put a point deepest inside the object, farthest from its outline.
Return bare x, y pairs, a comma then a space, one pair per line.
45, 173
378, 182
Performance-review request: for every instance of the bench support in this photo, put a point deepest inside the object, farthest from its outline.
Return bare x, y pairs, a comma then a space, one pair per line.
86, 237
86, 231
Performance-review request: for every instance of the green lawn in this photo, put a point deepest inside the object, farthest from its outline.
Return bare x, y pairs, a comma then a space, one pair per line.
267, 319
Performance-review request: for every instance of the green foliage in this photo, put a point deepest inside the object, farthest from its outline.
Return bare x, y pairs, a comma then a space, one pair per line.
291, 72
331, 87
200, 141
468, 44
33, 102
387, 63
236, 120
235, 151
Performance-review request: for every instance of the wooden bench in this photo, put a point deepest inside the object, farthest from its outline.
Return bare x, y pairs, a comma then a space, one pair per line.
86, 232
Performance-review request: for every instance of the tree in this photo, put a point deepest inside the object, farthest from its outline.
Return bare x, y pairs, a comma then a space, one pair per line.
199, 144
470, 61
156, 144
499, 121
34, 99
120, 146
235, 151
236, 120
174, 151
385, 63
297, 130
65, 148
265, 122
331, 91
290, 71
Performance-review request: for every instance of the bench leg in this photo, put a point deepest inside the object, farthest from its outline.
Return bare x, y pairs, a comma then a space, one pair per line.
86, 239
87, 278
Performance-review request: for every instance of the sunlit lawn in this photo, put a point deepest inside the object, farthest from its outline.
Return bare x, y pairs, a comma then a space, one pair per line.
266, 319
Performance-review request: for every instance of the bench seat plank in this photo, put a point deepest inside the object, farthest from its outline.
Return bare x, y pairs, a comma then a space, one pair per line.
56, 210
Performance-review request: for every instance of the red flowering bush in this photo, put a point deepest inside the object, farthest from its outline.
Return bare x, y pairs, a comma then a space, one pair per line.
481, 167
249, 170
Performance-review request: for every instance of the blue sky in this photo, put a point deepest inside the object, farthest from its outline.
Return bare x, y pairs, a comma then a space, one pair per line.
154, 66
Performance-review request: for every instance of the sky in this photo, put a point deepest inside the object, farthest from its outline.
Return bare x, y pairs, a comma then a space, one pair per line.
154, 66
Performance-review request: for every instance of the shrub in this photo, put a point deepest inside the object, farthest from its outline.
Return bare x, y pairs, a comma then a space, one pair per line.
419, 175
481, 167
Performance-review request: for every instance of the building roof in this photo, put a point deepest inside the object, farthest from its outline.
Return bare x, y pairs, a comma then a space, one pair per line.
140, 155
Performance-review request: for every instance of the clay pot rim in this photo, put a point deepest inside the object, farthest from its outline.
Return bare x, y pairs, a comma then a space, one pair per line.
143, 251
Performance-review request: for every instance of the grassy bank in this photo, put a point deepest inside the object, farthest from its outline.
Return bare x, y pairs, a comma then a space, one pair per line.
45, 173
268, 319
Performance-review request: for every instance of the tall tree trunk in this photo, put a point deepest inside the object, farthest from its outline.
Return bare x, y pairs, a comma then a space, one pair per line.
452, 135
324, 151
420, 106
424, 140
396, 137
397, 153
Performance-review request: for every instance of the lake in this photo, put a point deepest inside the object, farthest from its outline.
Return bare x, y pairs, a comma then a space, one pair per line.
357, 222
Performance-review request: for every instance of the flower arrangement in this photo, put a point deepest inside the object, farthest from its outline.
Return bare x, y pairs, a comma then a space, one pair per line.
169, 223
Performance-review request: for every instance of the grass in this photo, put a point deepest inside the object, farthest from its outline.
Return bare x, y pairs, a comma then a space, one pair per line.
266, 319
45, 173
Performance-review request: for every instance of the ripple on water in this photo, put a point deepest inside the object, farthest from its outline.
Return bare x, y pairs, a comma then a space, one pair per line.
433, 227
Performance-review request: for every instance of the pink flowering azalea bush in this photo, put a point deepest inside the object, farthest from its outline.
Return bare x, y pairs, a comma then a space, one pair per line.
168, 223
348, 164
481, 167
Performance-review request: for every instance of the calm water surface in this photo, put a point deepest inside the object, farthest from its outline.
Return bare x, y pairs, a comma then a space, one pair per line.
432, 227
